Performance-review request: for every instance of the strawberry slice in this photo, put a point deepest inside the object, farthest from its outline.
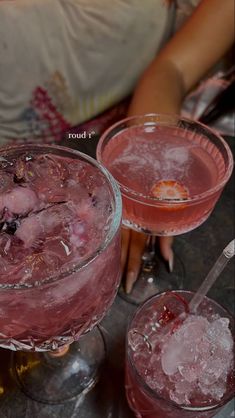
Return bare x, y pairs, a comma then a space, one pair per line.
170, 189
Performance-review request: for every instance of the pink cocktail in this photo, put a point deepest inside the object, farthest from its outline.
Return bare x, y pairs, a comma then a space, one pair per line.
179, 368
60, 218
171, 172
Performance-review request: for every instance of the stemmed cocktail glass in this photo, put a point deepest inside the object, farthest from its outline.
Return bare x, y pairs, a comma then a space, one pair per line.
60, 214
171, 172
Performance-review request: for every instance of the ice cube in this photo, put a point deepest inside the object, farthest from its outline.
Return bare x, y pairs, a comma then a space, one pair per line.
58, 247
182, 385
155, 377
39, 265
29, 231
212, 371
213, 391
193, 329
78, 233
179, 398
40, 225
54, 170
139, 342
220, 334
172, 356
156, 380
181, 347
20, 200
198, 354
190, 372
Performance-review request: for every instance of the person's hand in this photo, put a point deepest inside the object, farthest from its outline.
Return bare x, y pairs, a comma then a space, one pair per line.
133, 245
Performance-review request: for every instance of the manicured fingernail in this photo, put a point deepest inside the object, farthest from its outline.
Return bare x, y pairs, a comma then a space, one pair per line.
130, 280
171, 263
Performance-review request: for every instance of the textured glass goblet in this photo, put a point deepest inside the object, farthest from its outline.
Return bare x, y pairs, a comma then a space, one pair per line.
41, 318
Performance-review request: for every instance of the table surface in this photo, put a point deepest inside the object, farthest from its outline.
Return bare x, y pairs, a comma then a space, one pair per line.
198, 250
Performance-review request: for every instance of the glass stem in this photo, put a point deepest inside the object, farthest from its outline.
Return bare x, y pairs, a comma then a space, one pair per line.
150, 249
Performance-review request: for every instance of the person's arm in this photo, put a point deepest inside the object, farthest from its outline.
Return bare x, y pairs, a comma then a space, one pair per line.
190, 54
202, 41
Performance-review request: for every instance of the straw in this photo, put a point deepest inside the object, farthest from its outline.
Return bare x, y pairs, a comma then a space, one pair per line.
212, 276
210, 279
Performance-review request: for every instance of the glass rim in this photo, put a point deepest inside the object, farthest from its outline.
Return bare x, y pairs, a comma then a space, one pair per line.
162, 119
151, 392
113, 228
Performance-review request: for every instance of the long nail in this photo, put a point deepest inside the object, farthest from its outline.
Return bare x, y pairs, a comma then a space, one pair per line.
171, 262
130, 280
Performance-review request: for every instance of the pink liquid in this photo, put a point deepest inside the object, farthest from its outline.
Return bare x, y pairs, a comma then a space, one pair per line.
55, 213
139, 157
183, 372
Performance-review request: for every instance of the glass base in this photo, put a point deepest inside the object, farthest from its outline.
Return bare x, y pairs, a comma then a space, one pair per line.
155, 278
52, 379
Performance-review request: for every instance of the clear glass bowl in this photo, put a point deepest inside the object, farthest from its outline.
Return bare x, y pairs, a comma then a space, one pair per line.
164, 216
48, 314
143, 400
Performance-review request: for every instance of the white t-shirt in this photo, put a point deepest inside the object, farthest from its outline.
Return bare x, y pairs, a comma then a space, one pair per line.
64, 61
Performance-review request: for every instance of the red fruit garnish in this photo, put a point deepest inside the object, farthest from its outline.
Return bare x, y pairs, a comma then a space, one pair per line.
170, 189
173, 310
